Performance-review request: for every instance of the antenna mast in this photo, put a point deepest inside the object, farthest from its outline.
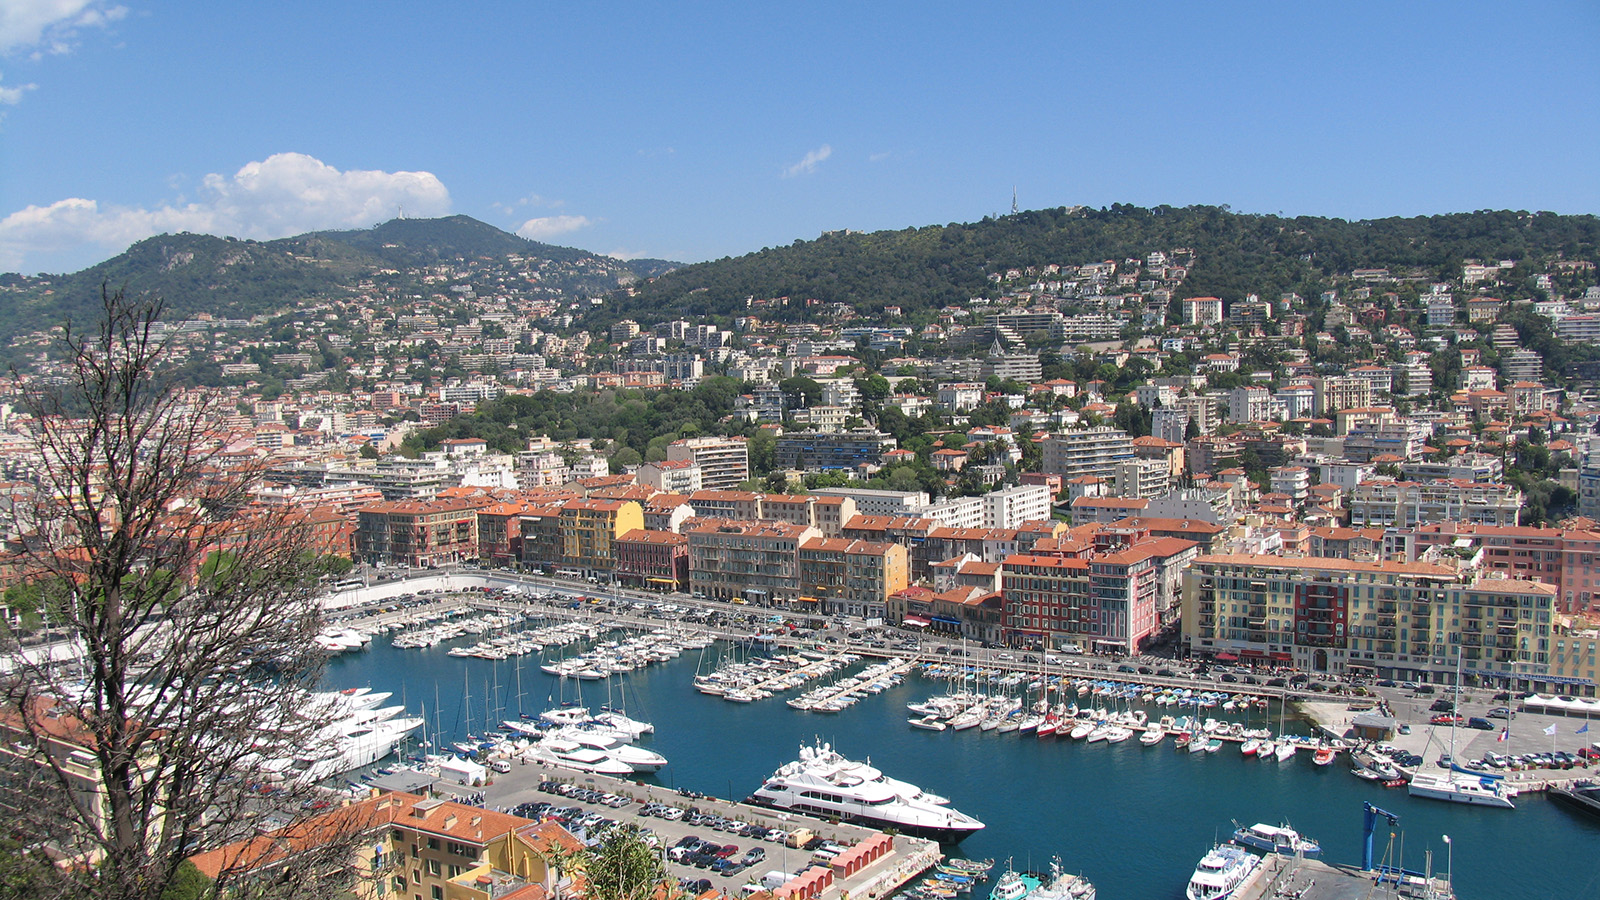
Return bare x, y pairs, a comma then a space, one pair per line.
1013, 199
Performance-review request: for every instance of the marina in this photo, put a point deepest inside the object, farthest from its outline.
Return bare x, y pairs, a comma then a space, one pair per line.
1032, 795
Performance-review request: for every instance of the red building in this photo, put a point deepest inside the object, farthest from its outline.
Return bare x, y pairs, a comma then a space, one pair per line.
654, 559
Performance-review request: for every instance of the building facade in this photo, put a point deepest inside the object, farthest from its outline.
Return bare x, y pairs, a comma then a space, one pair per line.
1382, 619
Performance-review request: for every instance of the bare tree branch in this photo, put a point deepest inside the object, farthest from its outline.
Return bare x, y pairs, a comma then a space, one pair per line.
181, 720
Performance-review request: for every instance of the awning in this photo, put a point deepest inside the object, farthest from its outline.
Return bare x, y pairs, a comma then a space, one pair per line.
1255, 652
915, 621
654, 580
947, 620
807, 599
1227, 657
1285, 657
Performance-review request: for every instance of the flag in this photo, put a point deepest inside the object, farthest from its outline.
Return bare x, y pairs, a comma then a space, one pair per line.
1584, 728
1550, 731
1505, 734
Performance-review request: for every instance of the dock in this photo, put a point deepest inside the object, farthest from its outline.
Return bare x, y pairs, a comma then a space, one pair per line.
1310, 879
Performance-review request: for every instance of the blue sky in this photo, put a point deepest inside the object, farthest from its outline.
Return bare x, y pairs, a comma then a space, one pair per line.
696, 131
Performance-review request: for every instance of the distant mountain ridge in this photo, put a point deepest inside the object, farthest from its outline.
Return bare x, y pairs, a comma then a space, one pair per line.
234, 278
924, 268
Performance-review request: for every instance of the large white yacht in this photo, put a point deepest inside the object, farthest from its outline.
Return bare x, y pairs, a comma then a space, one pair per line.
823, 783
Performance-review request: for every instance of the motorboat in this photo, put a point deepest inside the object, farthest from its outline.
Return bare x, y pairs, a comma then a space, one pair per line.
1276, 839
1324, 756
929, 722
1063, 885
825, 784
1116, 734
1152, 736
1221, 873
1285, 751
1249, 748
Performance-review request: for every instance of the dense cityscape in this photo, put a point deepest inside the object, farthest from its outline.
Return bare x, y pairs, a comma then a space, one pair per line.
1385, 484
847, 451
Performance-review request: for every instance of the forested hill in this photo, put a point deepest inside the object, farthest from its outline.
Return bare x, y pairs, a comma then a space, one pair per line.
233, 278
1235, 254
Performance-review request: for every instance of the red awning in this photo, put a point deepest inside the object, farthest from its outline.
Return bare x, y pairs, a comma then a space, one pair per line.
915, 621
1283, 656
1255, 653
1227, 657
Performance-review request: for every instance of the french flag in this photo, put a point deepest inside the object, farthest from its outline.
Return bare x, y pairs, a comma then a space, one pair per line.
1505, 735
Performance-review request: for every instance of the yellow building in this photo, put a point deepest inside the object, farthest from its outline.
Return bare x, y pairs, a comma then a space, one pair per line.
589, 531
401, 846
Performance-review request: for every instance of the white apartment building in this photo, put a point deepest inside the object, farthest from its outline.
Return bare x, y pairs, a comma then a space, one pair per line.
880, 503
959, 396
1250, 404
957, 512
1088, 451
1292, 480
1169, 424
724, 462
1141, 478
1010, 507
671, 476
1384, 502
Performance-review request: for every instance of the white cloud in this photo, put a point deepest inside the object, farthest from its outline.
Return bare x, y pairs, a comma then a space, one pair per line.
809, 162
47, 27
52, 25
11, 96
285, 194
879, 157
547, 227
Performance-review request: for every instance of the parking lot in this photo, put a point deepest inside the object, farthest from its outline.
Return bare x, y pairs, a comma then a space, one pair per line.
727, 845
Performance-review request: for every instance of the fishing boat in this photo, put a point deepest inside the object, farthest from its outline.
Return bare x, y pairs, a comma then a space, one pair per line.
1014, 885
1152, 736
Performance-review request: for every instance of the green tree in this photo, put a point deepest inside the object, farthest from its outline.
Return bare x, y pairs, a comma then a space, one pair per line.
623, 867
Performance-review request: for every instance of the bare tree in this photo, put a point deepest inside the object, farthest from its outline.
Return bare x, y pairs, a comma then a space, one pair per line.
173, 714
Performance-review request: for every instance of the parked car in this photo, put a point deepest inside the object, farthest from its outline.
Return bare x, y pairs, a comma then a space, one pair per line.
1444, 706
1480, 724
1502, 712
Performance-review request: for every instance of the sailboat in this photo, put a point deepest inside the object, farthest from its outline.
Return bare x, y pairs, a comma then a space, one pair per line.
1463, 785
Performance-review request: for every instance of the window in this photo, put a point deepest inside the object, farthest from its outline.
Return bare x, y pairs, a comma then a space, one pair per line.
438, 892
434, 867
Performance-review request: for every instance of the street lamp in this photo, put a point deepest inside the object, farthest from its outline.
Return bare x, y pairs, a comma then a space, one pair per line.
1450, 860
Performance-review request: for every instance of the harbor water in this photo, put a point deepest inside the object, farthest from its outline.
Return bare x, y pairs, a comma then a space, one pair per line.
1134, 819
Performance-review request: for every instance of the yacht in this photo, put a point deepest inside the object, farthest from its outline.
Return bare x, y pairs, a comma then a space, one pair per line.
636, 758
1463, 787
574, 755
824, 783
1276, 839
1221, 873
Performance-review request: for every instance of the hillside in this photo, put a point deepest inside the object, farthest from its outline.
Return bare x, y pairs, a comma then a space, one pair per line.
919, 269
234, 278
